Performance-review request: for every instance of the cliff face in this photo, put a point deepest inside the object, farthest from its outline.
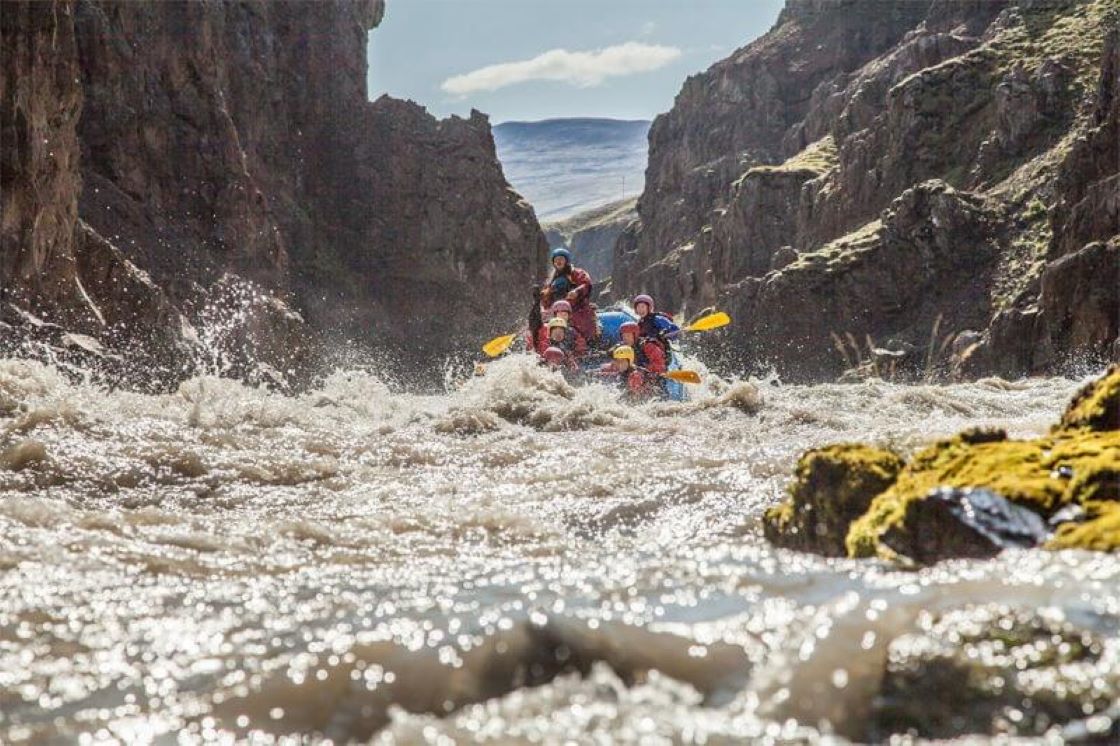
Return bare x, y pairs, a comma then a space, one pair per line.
227, 153
945, 172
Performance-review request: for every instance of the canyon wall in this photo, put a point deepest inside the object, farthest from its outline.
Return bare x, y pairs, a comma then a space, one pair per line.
930, 184
186, 176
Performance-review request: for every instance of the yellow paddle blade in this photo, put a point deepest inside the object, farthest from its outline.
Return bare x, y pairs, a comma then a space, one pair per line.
498, 345
713, 321
684, 376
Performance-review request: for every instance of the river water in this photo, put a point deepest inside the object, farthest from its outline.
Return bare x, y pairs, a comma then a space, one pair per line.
514, 561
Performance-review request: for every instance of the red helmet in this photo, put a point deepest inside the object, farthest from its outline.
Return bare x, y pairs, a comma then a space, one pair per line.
554, 355
561, 305
629, 326
642, 299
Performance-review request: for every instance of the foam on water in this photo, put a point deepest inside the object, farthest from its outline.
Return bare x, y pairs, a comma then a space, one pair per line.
515, 559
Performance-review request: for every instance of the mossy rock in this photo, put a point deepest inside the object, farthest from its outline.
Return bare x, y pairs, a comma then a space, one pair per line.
1042, 475
1096, 407
845, 498
1101, 532
832, 487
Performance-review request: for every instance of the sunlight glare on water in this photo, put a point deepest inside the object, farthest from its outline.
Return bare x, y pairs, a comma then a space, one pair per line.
516, 559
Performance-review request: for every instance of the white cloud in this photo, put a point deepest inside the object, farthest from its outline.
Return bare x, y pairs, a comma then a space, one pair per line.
583, 69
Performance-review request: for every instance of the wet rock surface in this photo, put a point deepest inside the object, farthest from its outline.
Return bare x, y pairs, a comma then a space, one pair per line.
975, 523
832, 487
1013, 105
152, 149
972, 495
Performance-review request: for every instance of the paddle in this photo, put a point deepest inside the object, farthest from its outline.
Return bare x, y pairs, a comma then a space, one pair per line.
684, 376
707, 323
498, 345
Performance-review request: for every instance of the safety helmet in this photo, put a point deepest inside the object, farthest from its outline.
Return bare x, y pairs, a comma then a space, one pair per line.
557, 323
642, 299
631, 327
560, 305
623, 352
560, 252
554, 355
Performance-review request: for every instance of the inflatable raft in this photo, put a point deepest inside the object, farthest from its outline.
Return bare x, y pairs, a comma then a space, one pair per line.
610, 320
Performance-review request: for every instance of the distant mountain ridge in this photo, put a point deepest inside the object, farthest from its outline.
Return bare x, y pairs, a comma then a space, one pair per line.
567, 166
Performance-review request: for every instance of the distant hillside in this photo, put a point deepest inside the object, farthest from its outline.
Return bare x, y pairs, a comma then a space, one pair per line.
567, 166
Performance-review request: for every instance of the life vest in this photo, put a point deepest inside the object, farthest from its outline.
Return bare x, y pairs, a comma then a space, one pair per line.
560, 285
570, 344
649, 330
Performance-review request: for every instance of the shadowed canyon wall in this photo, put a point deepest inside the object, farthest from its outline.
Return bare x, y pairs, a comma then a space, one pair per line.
181, 176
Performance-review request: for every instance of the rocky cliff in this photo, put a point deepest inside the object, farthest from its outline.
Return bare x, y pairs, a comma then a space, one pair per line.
930, 184
187, 178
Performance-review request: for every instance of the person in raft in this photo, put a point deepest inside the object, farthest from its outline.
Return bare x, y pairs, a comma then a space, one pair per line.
561, 336
556, 359
654, 325
636, 384
561, 309
649, 356
573, 285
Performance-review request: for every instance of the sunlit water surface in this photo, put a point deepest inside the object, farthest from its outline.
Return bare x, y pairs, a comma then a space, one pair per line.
517, 560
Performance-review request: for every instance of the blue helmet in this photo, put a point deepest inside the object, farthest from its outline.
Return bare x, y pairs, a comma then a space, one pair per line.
561, 252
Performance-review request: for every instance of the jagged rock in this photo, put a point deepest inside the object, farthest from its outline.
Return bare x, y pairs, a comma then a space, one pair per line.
967, 522
894, 278
40, 101
832, 487
235, 139
736, 114
987, 97
991, 670
783, 257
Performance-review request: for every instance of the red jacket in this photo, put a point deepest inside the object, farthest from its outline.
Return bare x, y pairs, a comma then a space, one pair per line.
651, 356
583, 318
636, 383
574, 344
581, 286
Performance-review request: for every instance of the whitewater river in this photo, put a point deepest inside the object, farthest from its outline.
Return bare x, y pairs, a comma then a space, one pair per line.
514, 561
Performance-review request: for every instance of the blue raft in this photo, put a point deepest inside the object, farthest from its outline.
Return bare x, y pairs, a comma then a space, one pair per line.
610, 321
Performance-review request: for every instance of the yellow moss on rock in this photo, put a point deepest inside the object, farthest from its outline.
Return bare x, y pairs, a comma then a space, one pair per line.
846, 497
1042, 475
1101, 532
1096, 406
832, 486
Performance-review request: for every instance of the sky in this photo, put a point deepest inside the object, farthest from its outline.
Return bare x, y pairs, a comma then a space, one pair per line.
525, 60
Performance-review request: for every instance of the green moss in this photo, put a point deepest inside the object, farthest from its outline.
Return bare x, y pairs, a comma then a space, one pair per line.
832, 486
1042, 475
1072, 32
1096, 406
1101, 532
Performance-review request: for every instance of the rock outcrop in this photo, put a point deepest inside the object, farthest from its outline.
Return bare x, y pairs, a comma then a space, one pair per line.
174, 166
1070, 478
942, 176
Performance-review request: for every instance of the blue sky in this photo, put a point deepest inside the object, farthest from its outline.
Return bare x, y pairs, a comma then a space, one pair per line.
538, 59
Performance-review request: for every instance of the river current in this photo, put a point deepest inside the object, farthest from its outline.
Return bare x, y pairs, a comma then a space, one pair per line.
513, 561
